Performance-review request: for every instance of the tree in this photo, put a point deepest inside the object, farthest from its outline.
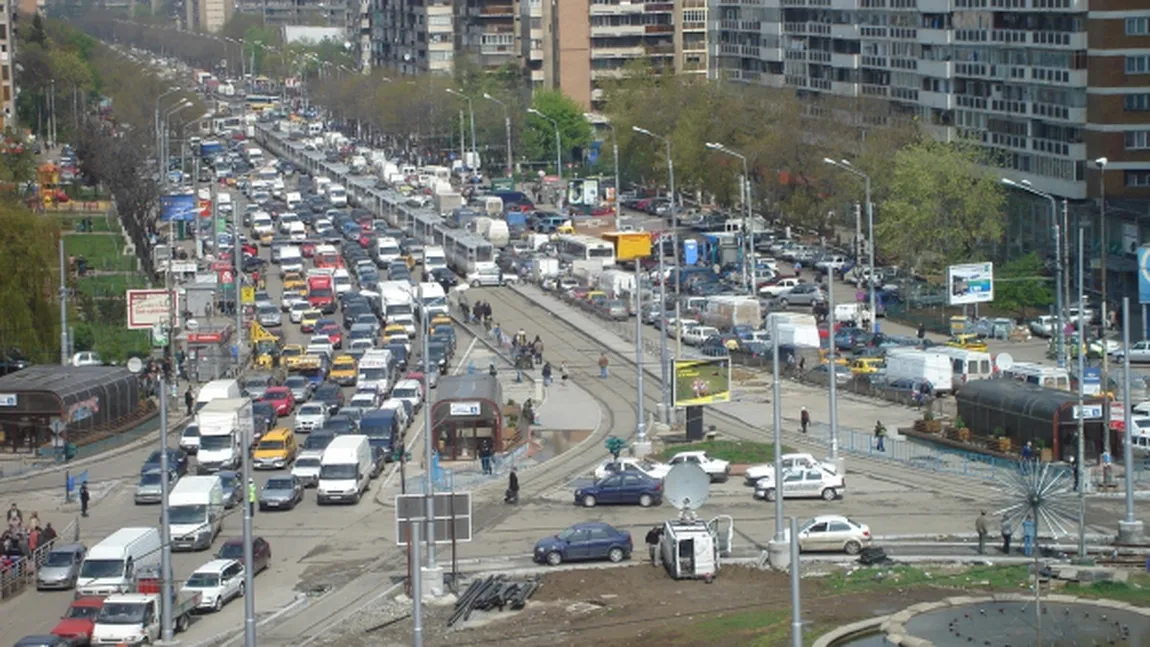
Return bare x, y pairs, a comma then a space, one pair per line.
1021, 286
539, 136
27, 286
38, 35
944, 205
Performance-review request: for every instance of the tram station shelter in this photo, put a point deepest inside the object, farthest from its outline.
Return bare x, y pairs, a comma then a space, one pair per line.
86, 399
1028, 412
467, 412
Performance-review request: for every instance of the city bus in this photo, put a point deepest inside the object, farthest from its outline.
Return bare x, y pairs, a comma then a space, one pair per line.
261, 102
578, 247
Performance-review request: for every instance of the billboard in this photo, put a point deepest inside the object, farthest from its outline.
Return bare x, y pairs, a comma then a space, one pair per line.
1144, 275
178, 207
146, 308
583, 193
697, 382
970, 283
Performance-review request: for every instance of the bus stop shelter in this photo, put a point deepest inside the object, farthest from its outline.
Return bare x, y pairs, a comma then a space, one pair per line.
467, 412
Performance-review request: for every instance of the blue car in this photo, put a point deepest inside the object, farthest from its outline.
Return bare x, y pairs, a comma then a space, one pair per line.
177, 462
582, 542
627, 488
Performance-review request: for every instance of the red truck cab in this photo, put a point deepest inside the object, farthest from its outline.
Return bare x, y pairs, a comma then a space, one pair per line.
320, 293
78, 621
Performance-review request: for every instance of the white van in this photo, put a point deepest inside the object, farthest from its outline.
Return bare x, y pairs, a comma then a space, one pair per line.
967, 364
321, 185
374, 371
111, 565
224, 202
1050, 377
921, 365
196, 512
337, 194
387, 250
344, 470
434, 258
217, 390
433, 299
293, 199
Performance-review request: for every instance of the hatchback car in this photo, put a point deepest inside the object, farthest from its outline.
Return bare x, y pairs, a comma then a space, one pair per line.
330, 394
177, 462
281, 398
149, 489
803, 294
233, 488
269, 316
217, 582
306, 467
190, 439
256, 385
234, 549
582, 542
301, 387
281, 493
61, 568
626, 488
835, 533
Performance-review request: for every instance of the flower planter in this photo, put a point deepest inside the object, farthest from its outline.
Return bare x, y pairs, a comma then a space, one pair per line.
1002, 445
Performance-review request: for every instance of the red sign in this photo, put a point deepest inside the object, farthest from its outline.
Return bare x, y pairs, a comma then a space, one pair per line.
210, 337
220, 266
227, 276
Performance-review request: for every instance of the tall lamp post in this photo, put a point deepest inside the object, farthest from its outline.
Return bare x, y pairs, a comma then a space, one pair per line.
748, 228
507, 127
558, 142
844, 165
160, 135
615, 156
471, 117
670, 173
165, 142
1104, 252
1059, 333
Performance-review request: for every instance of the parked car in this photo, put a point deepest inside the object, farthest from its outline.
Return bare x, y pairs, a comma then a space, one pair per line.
834, 533
233, 548
582, 542
627, 488
799, 461
627, 464
801, 483
718, 469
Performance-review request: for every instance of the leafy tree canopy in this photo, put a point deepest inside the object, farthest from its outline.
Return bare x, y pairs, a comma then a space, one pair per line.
1021, 286
539, 136
27, 281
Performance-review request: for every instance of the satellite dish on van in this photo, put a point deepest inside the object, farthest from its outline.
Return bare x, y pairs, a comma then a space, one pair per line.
1004, 361
686, 487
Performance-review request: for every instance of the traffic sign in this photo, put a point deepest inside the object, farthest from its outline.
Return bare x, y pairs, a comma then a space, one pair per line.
451, 509
1088, 411
247, 294
226, 276
58, 427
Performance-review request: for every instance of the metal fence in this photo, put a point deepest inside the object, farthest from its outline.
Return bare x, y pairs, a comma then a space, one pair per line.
15, 577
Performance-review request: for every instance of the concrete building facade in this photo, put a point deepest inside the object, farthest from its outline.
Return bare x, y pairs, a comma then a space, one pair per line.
316, 13
7, 71
208, 15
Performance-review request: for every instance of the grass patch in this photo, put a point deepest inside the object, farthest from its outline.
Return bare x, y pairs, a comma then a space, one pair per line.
109, 285
102, 251
115, 343
740, 623
100, 223
1135, 591
735, 451
1000, 578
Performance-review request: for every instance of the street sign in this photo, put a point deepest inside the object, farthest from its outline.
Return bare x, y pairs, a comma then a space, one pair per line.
58, 427
1092, 381
226, 277
259, 333
411, 508
1088, 412
247, 294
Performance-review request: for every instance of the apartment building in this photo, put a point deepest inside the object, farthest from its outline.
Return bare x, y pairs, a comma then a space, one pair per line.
7, 73
529, 39
414, 38
316, 13
208, 15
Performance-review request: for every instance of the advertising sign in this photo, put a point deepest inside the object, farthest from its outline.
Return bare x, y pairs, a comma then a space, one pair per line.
1130, 238
1092, 381
179, 207
583, 193
469, 409
970, 283
146, 308
706, 381
1144, 274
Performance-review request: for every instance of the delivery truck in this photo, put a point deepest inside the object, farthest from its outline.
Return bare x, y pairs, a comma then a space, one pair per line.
220, 423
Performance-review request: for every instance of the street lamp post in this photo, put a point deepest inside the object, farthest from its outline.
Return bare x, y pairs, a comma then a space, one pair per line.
748, 227
558, 142
1080, 464
1059, 333
471, 116
615, 156
1130, 528
849, 168
165, 141
159, 135
670, 173
1101, 163
507, 127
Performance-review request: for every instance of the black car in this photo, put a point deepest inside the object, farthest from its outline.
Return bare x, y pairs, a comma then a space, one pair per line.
447, 339
338, 425
445, 277
330, 394
399, 354
437, 354
177, 461
265, 412
318, 440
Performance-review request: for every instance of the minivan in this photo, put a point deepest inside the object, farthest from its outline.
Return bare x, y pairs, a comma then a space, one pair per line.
111, 565
276, 449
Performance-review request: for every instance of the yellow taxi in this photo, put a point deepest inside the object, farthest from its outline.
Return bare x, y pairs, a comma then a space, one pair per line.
394, 330
343, 370
867, 365
440, 319
967, 342
267, 237
839, 359
290, 355
307, 321
294, 281
276, 449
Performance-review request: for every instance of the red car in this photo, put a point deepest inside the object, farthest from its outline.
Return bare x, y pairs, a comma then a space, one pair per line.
333, 332
307, 250
249, 249
261, 552
77, 623
281, 398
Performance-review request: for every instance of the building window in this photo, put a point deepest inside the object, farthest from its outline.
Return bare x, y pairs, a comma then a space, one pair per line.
1138, 64
1137, 140
1136, 102
1138, 26
1140, 179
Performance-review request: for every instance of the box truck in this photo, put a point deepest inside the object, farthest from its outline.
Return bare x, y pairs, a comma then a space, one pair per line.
196, 512
221, 422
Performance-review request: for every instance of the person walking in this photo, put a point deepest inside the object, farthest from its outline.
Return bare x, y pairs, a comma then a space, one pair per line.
547, 374
1028, 536
563, 372
48, 535
880, 436
981, 526
1028, 452
512, 495
537, 349
603, 362
252, 497
921, 333
805, 419
1007, 531
652, 539
15, 517
85, 497
34, 521
189, 400
485, 457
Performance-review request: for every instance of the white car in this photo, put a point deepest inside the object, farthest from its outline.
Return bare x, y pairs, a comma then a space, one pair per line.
652, 469
87, 358
364, 399
1139, 352
718, 469
789, 461
286, 221
833, 532
290, 297
320, 345
218, 582
779, 287
799, 483
190, 439
409, 391
306, 467
310, 416
295, 312
696, 335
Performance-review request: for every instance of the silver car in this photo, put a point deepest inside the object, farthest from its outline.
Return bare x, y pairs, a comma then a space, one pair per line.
803, 294
306, 467
281, 493
61, 568
300, 387
149, 488
269, 316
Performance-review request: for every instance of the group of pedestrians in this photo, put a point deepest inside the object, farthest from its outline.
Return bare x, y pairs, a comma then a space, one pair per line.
1006, 528
20, 540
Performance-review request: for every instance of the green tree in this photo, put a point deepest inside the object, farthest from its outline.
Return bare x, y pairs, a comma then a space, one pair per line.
17, 164
1021, 286
27, 281
539, 136
38, 35
943, 206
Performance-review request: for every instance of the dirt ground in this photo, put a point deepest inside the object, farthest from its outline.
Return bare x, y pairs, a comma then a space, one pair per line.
635, 605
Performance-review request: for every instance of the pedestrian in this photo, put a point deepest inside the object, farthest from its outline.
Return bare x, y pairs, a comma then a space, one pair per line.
921, 333
33, 540
85, 497
512, 494
497, 334
563, 373
547, 374
15, 517
880, 436
34, 521
537, 349
485, 456
1007, 531
1074, 466
491, 370
1028, 538
521, 339
251, 497
1027, 452
463, 307
653, 537
48, 535
603, 362
189, 400
803, 363
805, 419
982, 528
529, 411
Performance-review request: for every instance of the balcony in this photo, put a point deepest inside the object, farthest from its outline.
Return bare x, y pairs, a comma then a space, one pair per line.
616, 9
845, 88
818, 56
935, 36
496, 11
936, 69
940, 100
845, 5
848, 61
846, 32
636, 51
606, 31
935, 6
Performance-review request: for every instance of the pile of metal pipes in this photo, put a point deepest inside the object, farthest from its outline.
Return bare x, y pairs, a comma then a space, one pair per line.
494, 592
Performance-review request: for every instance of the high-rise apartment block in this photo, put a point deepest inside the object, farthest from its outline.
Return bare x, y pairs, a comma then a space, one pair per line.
314, 13
1045, 84
208, 15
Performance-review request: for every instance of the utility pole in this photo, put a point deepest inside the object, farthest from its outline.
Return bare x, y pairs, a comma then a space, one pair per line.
1130, 528
1081, 459
165, 524
428, 448
237, 265
641, 425
249, 558
833, 387
63, 305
